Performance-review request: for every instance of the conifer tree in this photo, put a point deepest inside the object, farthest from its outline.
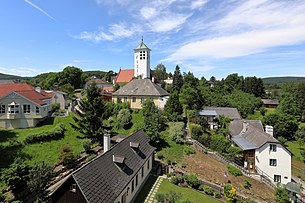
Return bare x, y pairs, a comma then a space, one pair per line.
177, 79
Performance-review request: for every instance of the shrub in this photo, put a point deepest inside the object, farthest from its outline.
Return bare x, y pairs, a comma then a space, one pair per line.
217, 194
55, 107
56, 133
66, 155
160, 155
230, 193
233, 170
87, 145
160, 197
196, 131
189, 150
124, 118
176, 132
208, 190
172, 196
220, 143
281, 195
192, 180
174, 180
246, 184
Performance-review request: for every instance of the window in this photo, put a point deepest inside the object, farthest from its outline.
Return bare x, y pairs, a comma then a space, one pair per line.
140, 58
143, 58
2, 108
37, 109
273, 147
142, 100
26, 108
13, 108
142, 172
148, 164
136, 180
118, 100
134, 99
132, 186
125, 99
73, 188
272, 162
151, 99
277, 178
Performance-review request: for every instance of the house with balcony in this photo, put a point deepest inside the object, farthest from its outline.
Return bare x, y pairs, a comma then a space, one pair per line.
262, 153
22, 105
115, 176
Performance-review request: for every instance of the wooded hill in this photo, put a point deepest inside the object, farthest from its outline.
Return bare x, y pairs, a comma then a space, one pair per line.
13, 77
281, 80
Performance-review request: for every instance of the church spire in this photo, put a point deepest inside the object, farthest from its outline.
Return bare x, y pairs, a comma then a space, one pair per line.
142, 38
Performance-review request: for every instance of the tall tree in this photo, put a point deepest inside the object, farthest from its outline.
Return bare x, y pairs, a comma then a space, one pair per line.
190, 79
160, 72
71, 75
153, 121
92, 113
177, 79
190, 97
173, 108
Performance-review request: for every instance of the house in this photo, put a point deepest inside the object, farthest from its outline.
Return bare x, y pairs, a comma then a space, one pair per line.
262, 153
270, 103
22, 105
100, 83
124, 76
138, 90
117, 175
211, 113
59, 97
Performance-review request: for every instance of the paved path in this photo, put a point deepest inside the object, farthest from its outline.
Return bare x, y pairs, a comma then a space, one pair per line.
151, 196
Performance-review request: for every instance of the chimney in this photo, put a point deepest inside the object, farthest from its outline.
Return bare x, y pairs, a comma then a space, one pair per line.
38, 89
245, 127
269, 130
106, 142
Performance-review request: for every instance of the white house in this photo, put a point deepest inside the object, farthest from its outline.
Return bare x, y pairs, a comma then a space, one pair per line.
262, 153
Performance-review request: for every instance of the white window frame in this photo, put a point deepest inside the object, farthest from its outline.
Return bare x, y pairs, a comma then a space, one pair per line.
272, 162
273, 147
277, 178
14, 109
26, 110
142, 100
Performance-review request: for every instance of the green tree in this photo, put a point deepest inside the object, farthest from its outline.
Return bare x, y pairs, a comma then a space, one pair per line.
39, 177
124, 118
160, 72
220, 143
289, 104
92, 113
173, 108
153, 121
190, 79
71, 75
177, 79
281, 195
17, 175
190, 97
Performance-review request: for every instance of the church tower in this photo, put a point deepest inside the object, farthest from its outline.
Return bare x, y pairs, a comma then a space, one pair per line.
142, 61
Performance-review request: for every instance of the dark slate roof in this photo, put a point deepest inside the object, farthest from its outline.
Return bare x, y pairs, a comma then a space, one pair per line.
141, 87
101, 180
236, 126
270, 101
225, 111
252, 137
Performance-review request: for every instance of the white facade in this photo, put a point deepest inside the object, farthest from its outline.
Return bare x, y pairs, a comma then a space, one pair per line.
275, 161
134, 186
142, 61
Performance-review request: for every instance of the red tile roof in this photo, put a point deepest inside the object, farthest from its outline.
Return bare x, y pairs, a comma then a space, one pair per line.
25, 90
107, 89
124, 76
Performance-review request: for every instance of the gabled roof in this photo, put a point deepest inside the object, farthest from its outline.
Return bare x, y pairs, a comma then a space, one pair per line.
26, 91
97, 81
252, 137
141, 87
101, 180
124, 76
270, 101
224, 111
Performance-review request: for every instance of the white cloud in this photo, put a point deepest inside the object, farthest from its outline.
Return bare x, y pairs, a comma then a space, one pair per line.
19, 71
198, 4
116, 31
39, 9
252, 27
148, 12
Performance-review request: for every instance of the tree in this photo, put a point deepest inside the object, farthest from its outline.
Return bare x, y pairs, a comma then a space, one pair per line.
92, 113
124, 118
153, 121
173, 108
281, 195
160, 72
39, 177
190, 97
289, 105
177, 79
190, 79
16, 175
71, 75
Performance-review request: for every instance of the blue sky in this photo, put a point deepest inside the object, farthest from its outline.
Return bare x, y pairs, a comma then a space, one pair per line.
207, 37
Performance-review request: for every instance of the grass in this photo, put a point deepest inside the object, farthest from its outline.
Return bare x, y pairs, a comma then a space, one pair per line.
145, 189
187, 193
297, 165
258, 116
294, 147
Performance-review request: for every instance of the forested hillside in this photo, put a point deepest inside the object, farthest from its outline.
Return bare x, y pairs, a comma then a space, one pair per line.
276, 81
13, 77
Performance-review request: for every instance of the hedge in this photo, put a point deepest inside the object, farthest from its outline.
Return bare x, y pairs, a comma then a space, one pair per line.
55, 133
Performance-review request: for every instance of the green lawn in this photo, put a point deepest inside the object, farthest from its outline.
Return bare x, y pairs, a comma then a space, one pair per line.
44, 151
298, 165
187, 193
258, 116
294, 147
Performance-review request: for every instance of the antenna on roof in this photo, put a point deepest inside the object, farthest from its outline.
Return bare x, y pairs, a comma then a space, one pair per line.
142, 38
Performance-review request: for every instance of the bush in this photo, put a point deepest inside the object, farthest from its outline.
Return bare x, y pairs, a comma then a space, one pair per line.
208, 190
281, 195
233, 170
217, 194
55, 107
56, 133
66, 155
160, 197
176, 132
189, 150
160, 155
177, 179
196, 131
230, 193
87, 145
192, 180
220, 143
246, 184
124, 118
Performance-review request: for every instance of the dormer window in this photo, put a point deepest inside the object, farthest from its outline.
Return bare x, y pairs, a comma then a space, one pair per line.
135, 146
119, 161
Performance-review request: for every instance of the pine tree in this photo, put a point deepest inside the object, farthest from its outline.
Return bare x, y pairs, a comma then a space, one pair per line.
92, 113
173, 108
177, 79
